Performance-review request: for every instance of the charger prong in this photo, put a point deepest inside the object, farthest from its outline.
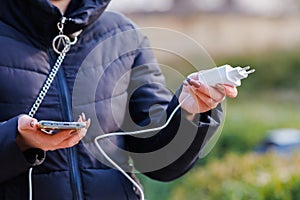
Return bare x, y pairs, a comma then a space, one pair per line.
251, 71
246, 68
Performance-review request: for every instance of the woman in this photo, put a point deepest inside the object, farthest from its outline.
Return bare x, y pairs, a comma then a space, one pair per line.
108, 49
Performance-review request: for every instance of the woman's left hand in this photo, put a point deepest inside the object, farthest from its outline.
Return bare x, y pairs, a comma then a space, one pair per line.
203, 97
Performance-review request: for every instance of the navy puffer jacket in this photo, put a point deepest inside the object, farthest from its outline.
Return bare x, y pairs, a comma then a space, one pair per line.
111, 75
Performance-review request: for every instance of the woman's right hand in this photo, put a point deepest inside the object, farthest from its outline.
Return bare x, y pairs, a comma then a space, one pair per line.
30, 136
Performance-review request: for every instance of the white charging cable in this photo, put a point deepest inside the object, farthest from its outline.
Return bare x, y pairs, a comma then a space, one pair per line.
30, 183
219, 75
101, 137
60, 41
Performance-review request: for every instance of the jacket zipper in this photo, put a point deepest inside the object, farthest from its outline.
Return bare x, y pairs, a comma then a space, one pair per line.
72, 152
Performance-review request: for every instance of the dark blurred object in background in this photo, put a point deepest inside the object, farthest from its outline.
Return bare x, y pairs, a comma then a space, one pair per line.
282, 141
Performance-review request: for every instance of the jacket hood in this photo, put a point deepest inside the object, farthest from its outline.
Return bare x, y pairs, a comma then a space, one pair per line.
39, 18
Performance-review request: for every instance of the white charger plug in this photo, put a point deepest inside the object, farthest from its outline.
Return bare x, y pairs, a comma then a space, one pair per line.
224, 75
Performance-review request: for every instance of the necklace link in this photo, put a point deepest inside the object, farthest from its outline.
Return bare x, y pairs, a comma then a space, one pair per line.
64, 43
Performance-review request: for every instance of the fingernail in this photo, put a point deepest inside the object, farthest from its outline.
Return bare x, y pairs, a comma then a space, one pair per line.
188, 80
32, 124
193, 82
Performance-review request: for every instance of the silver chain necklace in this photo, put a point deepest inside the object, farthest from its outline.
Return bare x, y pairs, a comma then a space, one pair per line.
61, 44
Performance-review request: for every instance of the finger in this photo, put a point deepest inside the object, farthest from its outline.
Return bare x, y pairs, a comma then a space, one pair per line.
88, 123
210, 92
208, 102
82, 133
80, 118
60, 136
192, 92
83, 117
221, 89
230, 91
71, 141
78, 134
26, 122
33, 124
193, 82
204, 102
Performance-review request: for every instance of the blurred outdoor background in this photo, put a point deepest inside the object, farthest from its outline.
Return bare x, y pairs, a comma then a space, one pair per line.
256, 156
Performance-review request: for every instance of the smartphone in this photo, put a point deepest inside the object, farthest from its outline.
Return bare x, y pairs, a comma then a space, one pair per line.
56, 125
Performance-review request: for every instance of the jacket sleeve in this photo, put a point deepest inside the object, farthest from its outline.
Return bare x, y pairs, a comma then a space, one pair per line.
13, 160
169, 153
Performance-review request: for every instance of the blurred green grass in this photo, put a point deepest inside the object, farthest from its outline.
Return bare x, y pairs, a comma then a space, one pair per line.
243, 177
268, 99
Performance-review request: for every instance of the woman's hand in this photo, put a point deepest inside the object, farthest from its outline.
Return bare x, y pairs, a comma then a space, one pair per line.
203, 97
30, 136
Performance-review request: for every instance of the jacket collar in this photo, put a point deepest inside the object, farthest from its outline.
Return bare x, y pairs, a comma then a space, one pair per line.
39, 18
